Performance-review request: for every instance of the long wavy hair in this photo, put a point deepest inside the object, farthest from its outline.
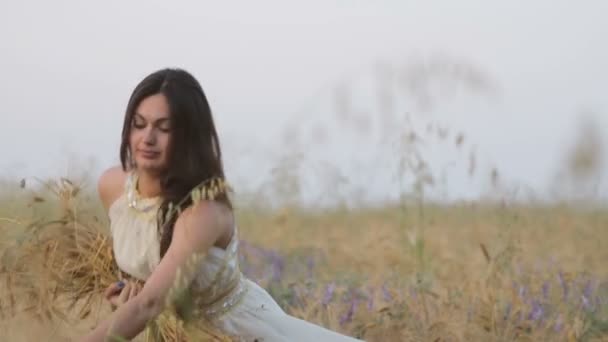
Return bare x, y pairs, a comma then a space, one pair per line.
194, 148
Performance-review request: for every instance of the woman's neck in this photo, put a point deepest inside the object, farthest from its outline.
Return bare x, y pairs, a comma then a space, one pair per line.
148, 185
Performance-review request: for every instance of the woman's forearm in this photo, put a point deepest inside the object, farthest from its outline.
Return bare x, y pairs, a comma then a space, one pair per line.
127, 322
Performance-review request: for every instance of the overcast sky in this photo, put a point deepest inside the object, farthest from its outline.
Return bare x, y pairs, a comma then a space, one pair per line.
272, 69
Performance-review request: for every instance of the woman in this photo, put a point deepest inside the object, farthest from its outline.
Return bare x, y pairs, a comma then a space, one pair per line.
169, 146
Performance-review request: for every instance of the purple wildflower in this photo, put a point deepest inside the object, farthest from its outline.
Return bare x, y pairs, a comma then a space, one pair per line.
348, 315
278, 265
546, 290
563, 284
586, 303
588, 290
537, 312
329, 294
559, 324
370, 301
522, 291
386, 294
310, 264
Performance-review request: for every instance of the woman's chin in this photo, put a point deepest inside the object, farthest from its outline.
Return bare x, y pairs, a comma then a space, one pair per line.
150, 166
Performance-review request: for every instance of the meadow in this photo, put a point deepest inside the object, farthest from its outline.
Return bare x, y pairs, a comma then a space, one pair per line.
467, 271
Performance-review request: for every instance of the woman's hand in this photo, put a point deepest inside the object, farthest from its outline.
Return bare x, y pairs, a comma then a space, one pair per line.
120, 292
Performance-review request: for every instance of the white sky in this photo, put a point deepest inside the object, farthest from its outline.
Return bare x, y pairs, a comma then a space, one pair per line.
68, 68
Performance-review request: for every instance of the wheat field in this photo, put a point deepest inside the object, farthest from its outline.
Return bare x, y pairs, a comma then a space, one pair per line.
469, 271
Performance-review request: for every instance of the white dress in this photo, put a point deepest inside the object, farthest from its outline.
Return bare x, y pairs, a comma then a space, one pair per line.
234, 304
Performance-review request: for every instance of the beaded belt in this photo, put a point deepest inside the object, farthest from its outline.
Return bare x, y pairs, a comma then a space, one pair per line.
225, 301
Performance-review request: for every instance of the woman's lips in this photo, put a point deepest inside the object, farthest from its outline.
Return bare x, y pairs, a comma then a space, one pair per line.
149, 154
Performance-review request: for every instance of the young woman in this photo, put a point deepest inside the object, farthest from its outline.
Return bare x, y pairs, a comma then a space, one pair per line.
169, 147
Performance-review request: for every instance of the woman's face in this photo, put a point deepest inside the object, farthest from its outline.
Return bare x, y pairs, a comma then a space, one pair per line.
150, 133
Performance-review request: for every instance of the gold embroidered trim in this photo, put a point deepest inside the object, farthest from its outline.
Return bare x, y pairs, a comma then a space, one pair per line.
222, 303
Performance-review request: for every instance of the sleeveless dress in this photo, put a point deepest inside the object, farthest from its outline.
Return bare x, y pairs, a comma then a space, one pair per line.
232, 303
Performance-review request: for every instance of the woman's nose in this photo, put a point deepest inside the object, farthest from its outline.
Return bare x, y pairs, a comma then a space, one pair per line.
150, 136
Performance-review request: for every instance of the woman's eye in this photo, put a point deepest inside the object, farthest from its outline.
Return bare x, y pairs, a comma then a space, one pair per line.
138, 125
163, 125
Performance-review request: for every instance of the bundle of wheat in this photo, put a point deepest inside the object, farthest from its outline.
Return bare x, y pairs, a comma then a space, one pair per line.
59, 269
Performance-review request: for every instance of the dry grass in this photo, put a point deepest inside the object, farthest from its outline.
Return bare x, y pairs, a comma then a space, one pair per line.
455, 273
55, 271
467, 272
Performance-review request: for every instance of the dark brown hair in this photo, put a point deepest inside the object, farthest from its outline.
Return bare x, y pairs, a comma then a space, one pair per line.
194, 148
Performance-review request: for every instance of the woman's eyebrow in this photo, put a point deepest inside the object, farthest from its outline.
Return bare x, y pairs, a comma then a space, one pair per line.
157, 120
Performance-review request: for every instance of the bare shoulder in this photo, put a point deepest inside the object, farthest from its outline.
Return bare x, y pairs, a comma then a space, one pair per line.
110, 185
208, 220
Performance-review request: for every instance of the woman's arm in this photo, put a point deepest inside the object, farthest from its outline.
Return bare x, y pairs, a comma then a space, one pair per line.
196, 230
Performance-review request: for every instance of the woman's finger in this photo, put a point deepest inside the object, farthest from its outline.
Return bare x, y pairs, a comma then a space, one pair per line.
114, 301
124, 294
114, 289
133, 291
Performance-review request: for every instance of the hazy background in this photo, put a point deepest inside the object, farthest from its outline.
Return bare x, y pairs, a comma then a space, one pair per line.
319, 90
